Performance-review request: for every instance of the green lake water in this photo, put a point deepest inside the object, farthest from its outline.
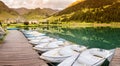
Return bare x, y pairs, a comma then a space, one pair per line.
92, 37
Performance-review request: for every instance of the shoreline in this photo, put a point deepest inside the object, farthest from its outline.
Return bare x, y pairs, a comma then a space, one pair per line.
69, 24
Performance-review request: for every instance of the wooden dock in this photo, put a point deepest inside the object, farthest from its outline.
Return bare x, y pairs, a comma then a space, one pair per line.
16, 51
116, 58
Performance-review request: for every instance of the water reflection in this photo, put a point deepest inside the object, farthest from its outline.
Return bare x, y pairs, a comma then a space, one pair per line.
98, 37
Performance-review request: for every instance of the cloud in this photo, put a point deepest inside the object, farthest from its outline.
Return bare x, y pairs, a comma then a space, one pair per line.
60, 4
55, 4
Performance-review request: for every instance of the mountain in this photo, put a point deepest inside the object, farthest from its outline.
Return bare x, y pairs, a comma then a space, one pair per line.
39, 13
6, 12
22, 10
92, 11
3, 7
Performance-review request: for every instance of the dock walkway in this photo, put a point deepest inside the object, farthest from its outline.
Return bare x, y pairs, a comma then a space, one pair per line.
116, 58
16, 51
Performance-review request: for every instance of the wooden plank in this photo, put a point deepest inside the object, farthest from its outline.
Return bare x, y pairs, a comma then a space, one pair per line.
116, 58
16, 51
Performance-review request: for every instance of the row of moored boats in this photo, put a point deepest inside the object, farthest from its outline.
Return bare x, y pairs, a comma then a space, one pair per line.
66, 53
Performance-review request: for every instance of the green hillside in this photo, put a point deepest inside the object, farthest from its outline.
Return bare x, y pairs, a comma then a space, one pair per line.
39, 13
28, 14
21, 11
92, 11
6, 12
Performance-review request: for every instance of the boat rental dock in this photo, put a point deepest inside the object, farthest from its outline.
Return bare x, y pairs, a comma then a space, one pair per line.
16, 51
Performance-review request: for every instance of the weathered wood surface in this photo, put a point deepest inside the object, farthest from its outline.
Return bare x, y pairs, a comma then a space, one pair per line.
16, 51
116, 58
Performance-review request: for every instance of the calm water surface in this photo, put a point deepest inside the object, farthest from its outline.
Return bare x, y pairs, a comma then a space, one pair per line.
92, 37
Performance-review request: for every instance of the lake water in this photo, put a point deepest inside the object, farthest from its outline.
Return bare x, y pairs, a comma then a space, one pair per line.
92, 37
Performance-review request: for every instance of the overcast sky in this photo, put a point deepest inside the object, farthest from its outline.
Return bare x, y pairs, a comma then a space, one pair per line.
54, 4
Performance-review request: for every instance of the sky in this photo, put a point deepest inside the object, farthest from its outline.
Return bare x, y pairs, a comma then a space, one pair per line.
31, 4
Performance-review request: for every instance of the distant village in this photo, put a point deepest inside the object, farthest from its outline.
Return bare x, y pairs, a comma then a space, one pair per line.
22, 20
